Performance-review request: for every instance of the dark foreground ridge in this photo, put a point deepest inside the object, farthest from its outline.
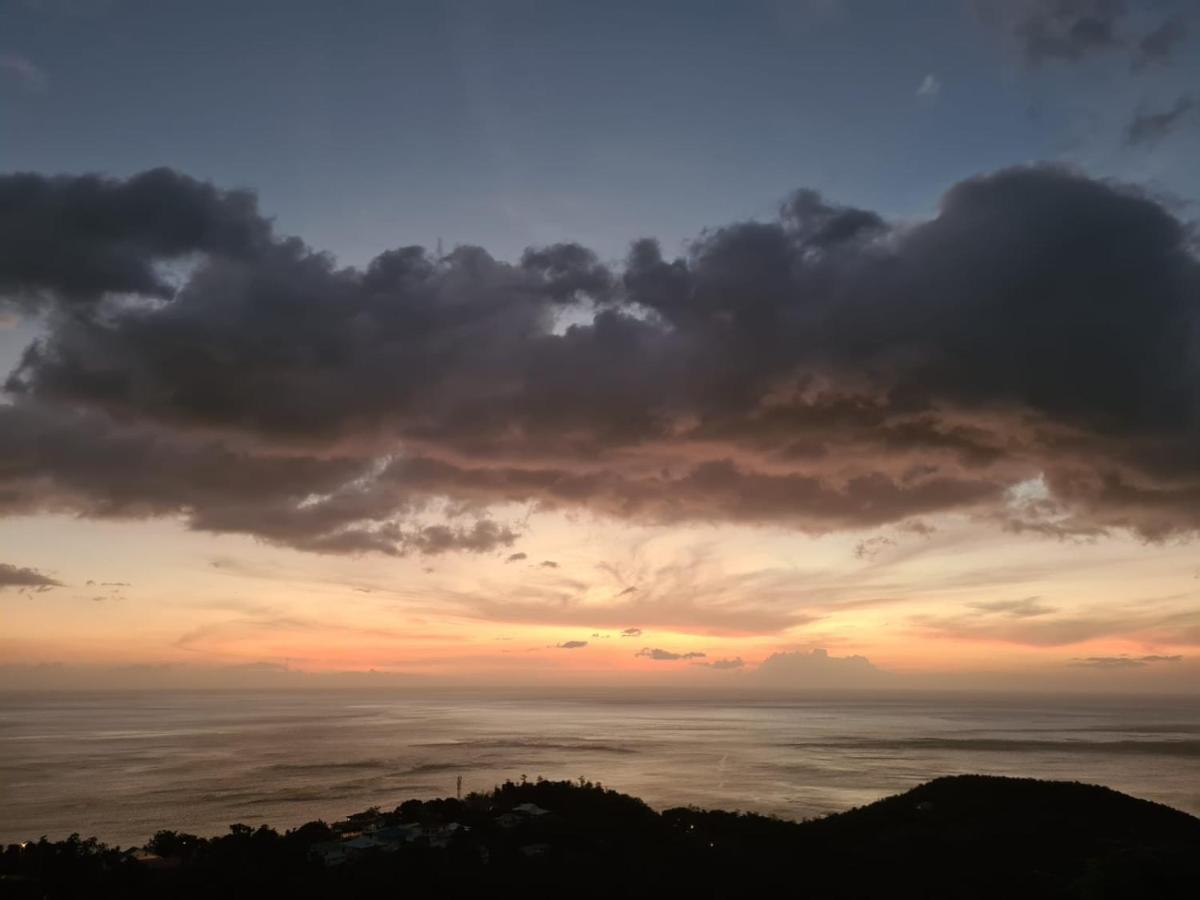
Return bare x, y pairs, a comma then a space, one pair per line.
965, 836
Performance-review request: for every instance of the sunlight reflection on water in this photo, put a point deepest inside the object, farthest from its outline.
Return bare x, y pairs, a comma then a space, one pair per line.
122, 765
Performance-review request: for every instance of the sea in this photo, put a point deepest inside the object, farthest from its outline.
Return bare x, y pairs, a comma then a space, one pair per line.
120, 766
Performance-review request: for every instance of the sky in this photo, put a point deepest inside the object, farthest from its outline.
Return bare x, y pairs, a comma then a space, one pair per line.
800, 344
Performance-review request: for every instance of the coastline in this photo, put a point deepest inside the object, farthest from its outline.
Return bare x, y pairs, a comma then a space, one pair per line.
966, 835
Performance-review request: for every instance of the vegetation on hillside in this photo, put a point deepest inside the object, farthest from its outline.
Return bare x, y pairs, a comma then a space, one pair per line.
966, 836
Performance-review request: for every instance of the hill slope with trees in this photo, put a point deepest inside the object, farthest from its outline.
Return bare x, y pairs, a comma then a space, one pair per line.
964, 836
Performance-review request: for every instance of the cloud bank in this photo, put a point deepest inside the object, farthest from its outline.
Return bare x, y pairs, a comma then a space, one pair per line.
817, 668
823, 370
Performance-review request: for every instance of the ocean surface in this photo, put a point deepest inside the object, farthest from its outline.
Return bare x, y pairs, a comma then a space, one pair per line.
122, 765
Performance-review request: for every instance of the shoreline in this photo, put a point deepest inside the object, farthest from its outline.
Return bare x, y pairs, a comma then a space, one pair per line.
967, 835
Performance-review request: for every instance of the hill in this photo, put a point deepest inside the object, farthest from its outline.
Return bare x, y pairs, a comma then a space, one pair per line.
965, 836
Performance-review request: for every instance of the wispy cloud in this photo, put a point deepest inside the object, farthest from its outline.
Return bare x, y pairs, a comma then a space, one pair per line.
29, 75
1029, 623
872, 546
1148, 127
1017, 609
243, 634
1123, 662
691, 593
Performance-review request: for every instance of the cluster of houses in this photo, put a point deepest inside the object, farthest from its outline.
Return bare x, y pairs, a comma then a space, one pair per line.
374, 832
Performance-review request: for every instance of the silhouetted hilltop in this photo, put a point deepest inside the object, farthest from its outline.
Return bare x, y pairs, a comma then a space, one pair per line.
982, 836
966, 836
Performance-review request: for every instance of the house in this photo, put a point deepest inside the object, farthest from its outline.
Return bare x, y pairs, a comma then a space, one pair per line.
441, 837
406, 833
509, 820
334, 853
364, 843
153, 861
331, 853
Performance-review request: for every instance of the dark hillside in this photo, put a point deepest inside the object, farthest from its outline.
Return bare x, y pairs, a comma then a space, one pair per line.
967, 836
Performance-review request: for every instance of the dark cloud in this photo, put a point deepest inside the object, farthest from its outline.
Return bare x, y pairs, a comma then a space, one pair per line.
631, 632
77, 238
734, 663
56, 460
19, 577
516, 557
666, 655
482, 535
568, 272
822, 370
571, 645
1058, 29
548, 564
1147, 127
1123, 662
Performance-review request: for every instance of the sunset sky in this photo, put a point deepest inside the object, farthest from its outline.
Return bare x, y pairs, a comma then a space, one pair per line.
791, 344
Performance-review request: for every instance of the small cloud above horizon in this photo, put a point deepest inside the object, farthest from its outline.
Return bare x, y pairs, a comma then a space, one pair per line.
657, 653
